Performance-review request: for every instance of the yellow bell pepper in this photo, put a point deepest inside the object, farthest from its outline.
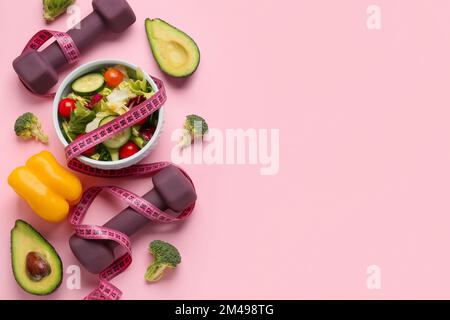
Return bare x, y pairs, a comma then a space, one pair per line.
47, 187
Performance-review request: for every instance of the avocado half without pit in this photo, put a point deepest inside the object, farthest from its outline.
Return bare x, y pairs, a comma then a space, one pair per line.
36, 266
175, 52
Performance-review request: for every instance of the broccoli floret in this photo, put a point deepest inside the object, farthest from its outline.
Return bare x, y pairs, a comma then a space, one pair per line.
28, 126
165, 256
195, 127
54, 8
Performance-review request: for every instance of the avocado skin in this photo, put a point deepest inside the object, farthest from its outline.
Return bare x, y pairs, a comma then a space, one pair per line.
20, 223
161, 65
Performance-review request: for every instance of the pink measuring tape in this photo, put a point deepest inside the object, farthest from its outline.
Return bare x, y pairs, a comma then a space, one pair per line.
138, 113
105, 290
65, 42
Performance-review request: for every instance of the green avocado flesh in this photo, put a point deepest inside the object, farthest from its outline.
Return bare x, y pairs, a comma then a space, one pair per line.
25, 240
175, 52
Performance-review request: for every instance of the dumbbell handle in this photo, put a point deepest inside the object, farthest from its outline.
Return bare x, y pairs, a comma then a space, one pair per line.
90, 28
96, 255
129, 221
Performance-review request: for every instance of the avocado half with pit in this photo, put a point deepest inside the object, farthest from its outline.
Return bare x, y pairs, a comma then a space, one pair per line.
175, 52
36, 265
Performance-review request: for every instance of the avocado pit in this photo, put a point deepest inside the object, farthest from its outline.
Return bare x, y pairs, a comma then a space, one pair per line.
37, 266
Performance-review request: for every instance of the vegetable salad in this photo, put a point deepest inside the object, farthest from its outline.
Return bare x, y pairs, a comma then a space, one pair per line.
100, 97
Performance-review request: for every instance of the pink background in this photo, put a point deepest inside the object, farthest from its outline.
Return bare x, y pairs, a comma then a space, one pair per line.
364, 119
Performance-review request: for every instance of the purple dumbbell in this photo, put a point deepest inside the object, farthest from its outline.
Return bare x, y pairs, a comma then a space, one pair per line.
172, 190
38, 70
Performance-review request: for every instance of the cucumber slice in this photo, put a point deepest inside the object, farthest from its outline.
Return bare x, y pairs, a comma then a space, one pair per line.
94, 124
119, 139
107, 119
89, 84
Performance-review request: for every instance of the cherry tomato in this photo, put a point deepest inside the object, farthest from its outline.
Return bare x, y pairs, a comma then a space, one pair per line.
89, 152
128, 150
65, 107
113, 77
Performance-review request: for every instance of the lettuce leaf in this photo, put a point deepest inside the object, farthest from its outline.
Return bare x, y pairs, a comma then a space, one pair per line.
105, 92
78, 98
139, 85
79, 119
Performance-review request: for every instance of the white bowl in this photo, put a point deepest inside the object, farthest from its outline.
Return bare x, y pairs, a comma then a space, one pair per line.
65, 89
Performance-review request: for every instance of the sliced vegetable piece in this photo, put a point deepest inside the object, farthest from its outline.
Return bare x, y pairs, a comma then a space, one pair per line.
88, 84
135, 130
94, 124
119, 139
139, 141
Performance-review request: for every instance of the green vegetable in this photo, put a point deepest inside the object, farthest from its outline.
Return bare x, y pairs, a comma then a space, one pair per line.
81, 99
119, 139
153, 120
105, 92
54, 8
195, 127
28, 126
135, 130
132, 73
136, 88
88, 84
94, 124
78, 120
114, 154
139, 141
165, 256
139, 85
65, 130
103, 153
136, 74
103, 109
121, 94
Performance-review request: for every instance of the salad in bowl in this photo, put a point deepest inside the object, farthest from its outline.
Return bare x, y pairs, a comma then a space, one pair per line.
98, 93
